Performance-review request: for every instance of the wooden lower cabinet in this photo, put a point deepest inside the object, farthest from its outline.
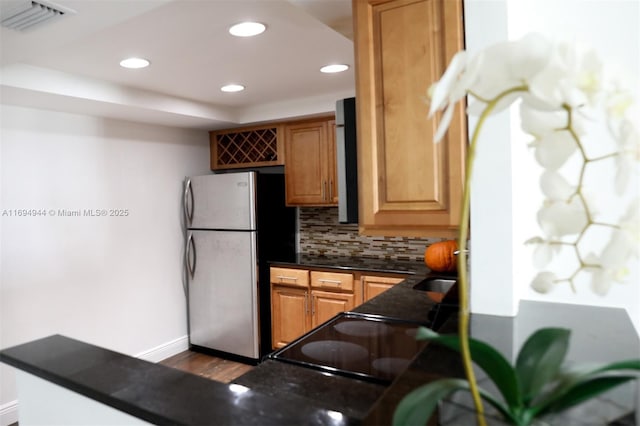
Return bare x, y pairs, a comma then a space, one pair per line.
290, 316
302, 300
327, 304
375, 285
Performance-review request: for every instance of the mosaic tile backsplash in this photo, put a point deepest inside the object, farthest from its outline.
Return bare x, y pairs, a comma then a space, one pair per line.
322, 234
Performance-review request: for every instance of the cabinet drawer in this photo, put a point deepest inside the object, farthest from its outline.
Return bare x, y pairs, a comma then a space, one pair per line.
332, 280
291, 277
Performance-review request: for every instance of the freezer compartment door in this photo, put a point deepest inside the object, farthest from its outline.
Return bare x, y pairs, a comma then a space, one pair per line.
220, 201
223, 291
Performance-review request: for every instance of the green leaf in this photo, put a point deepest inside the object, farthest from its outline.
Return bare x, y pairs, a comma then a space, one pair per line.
490, 360
629, 364
574, 379
583, 391
540, 359
418, 405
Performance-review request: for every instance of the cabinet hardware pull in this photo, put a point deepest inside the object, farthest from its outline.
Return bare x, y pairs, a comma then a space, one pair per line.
188, 190
306, 304
330, 190
324, 189
191, 248
283, 277
327, 281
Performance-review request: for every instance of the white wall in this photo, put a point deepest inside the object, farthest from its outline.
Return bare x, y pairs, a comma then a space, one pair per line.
612, 27
111, 281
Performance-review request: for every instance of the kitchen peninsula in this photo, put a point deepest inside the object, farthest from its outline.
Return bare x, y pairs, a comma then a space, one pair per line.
279, 393
161, 395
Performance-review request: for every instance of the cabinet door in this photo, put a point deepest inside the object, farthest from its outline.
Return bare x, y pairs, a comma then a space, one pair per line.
373, 286
289, 315
310, 175
326, 305
408, 185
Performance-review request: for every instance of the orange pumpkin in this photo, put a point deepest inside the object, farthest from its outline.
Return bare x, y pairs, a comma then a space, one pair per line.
439, 256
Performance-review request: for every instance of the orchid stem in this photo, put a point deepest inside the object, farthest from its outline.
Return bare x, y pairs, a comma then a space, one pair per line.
463, 283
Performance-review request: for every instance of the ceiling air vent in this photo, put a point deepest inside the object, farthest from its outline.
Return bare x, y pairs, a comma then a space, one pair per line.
22, 15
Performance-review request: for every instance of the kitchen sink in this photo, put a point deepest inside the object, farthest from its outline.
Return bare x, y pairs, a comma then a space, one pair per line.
436, 284
436, 287
443, 291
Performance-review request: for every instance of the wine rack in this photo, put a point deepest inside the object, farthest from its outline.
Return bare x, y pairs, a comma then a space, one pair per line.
250, 147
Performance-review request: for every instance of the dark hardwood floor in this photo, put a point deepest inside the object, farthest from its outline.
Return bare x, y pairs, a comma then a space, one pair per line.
211, 367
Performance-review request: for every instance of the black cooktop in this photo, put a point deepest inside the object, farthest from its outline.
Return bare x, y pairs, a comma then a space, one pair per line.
356, 345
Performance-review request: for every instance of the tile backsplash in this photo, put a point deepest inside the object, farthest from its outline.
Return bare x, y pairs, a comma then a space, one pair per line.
321, 234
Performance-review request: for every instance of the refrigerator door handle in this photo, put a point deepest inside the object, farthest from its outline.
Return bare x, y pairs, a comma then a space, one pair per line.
188, 189
191, 247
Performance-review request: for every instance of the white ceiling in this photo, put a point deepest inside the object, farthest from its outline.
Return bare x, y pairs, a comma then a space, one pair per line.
71, 64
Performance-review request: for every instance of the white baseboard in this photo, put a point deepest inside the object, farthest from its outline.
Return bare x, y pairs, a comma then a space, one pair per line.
165, 350
9, 413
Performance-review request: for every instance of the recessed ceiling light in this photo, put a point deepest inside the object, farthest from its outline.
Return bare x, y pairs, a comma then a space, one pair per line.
334, 68
247, 29
232, 88
134, 63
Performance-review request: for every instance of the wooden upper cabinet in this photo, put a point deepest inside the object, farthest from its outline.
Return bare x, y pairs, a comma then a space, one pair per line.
408, 185
310, 156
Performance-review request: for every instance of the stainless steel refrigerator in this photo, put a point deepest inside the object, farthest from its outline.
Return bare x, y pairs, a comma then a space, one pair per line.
235, 224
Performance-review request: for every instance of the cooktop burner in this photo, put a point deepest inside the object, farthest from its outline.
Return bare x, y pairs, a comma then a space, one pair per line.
363, 328
357, 345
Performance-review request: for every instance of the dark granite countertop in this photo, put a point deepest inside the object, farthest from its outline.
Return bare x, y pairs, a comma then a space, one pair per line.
304, 386
278, 393
156, 393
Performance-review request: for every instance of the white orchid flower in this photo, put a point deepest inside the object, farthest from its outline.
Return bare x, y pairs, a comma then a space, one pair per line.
544, 282
628, 140
572, 77
511, 64
539, 123
564, 90
601, 281
617, 251
488, 74
630, 228
544, 252
624, 172
561, 218
618, 103
554, 149
555, 187
612, 264
450, 89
